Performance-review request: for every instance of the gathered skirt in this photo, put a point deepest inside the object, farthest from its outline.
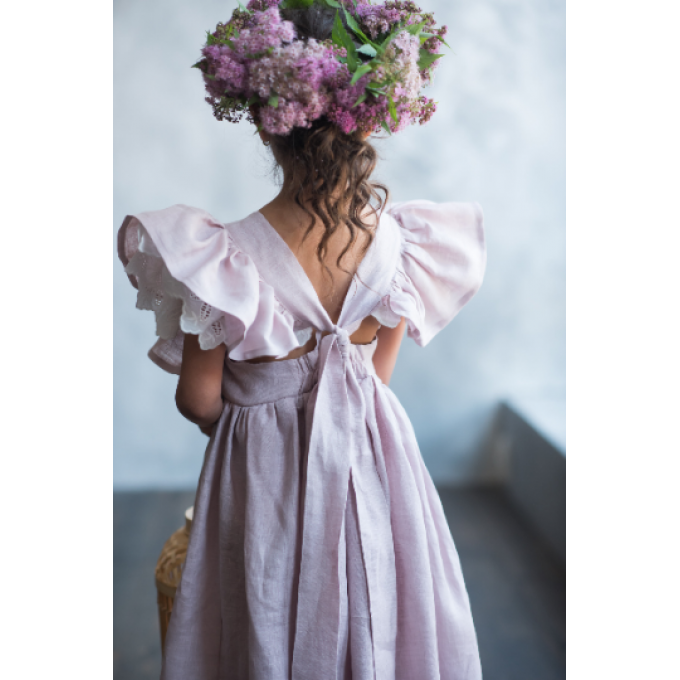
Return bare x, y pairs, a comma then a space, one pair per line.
399, 602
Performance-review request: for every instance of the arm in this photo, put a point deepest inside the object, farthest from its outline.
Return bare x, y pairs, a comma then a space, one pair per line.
199, 391
385, 357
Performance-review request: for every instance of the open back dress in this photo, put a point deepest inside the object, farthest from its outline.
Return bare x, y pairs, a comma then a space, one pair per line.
319, 548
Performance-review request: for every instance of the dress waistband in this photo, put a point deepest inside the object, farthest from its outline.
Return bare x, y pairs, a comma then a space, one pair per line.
250, 384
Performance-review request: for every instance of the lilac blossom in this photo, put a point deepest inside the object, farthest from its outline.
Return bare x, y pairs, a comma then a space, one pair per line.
267, 30
262, 5
381, 19
295, 71
402, 54
256, 59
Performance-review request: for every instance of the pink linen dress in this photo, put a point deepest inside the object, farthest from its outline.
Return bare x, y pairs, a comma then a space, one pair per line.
319, 548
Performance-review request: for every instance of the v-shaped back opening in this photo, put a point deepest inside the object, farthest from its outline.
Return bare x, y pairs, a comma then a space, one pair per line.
291, 257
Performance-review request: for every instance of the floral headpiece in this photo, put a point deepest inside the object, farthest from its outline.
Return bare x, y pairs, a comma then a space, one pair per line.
366, 76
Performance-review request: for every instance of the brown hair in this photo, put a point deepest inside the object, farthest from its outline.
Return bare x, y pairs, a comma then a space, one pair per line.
328, 175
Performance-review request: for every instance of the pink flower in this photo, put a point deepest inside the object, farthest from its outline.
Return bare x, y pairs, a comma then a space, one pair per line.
262, 5
282, 119
256, 56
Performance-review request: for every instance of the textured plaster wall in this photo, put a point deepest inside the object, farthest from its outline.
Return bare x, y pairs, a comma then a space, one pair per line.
498, 139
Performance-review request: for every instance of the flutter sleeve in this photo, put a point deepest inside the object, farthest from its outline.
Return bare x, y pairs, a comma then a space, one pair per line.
440, 268
191, 274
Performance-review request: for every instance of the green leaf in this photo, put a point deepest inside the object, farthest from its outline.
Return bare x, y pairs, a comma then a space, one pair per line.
354, 26
338, 35
333, 4
255, 99
198, 64
356, 29
274, 101
386, 127
368, 50
426, 36
391, 107
361, 100
297, 4
415, 29
398, 29
361, 71
427, 59
342, 39
352, 59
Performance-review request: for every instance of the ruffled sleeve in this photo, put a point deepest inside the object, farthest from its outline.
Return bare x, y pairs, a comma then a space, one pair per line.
441, 265
190, 273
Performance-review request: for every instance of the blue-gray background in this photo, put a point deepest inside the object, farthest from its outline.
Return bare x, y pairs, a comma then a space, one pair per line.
498, 138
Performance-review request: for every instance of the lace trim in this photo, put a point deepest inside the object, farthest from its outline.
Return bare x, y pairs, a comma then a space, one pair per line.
173, 304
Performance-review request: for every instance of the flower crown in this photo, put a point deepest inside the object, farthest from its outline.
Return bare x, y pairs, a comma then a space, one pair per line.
366, 76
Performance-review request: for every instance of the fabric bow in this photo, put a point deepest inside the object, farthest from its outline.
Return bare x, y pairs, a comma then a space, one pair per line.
336, 448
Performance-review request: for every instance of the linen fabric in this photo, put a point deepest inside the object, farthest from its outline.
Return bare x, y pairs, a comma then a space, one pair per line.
319, 548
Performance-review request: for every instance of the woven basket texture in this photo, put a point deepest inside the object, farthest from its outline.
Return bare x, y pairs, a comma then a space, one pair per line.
169, 572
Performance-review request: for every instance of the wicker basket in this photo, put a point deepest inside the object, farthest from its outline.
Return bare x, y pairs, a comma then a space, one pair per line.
169, 571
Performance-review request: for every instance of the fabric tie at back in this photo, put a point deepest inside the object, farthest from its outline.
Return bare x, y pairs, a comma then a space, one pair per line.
342, 338
336, 448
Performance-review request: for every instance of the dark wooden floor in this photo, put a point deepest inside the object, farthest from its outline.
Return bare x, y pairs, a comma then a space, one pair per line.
516, 586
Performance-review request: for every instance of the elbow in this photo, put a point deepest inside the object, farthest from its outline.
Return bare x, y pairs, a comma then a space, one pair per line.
199, 411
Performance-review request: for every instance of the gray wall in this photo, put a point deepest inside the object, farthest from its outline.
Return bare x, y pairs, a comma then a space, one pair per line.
498, 138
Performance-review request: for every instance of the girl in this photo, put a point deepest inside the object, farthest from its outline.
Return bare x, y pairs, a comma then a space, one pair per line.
319, 547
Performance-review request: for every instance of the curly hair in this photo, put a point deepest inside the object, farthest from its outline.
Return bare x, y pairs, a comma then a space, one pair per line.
328, 175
